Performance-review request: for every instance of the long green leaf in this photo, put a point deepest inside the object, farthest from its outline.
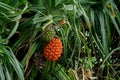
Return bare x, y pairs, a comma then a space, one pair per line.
2, 76
108, 56
13, 30
103, 32
7, 74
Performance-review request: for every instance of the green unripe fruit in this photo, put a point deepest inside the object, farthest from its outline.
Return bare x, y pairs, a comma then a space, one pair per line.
48, 35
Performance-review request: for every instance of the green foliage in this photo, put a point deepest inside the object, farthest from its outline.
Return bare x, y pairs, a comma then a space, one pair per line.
8, 63
89, 30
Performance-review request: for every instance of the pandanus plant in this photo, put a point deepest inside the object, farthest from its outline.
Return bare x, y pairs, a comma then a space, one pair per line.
87, 32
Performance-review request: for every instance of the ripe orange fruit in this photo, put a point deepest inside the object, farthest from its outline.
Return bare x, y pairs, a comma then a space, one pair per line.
53, 50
